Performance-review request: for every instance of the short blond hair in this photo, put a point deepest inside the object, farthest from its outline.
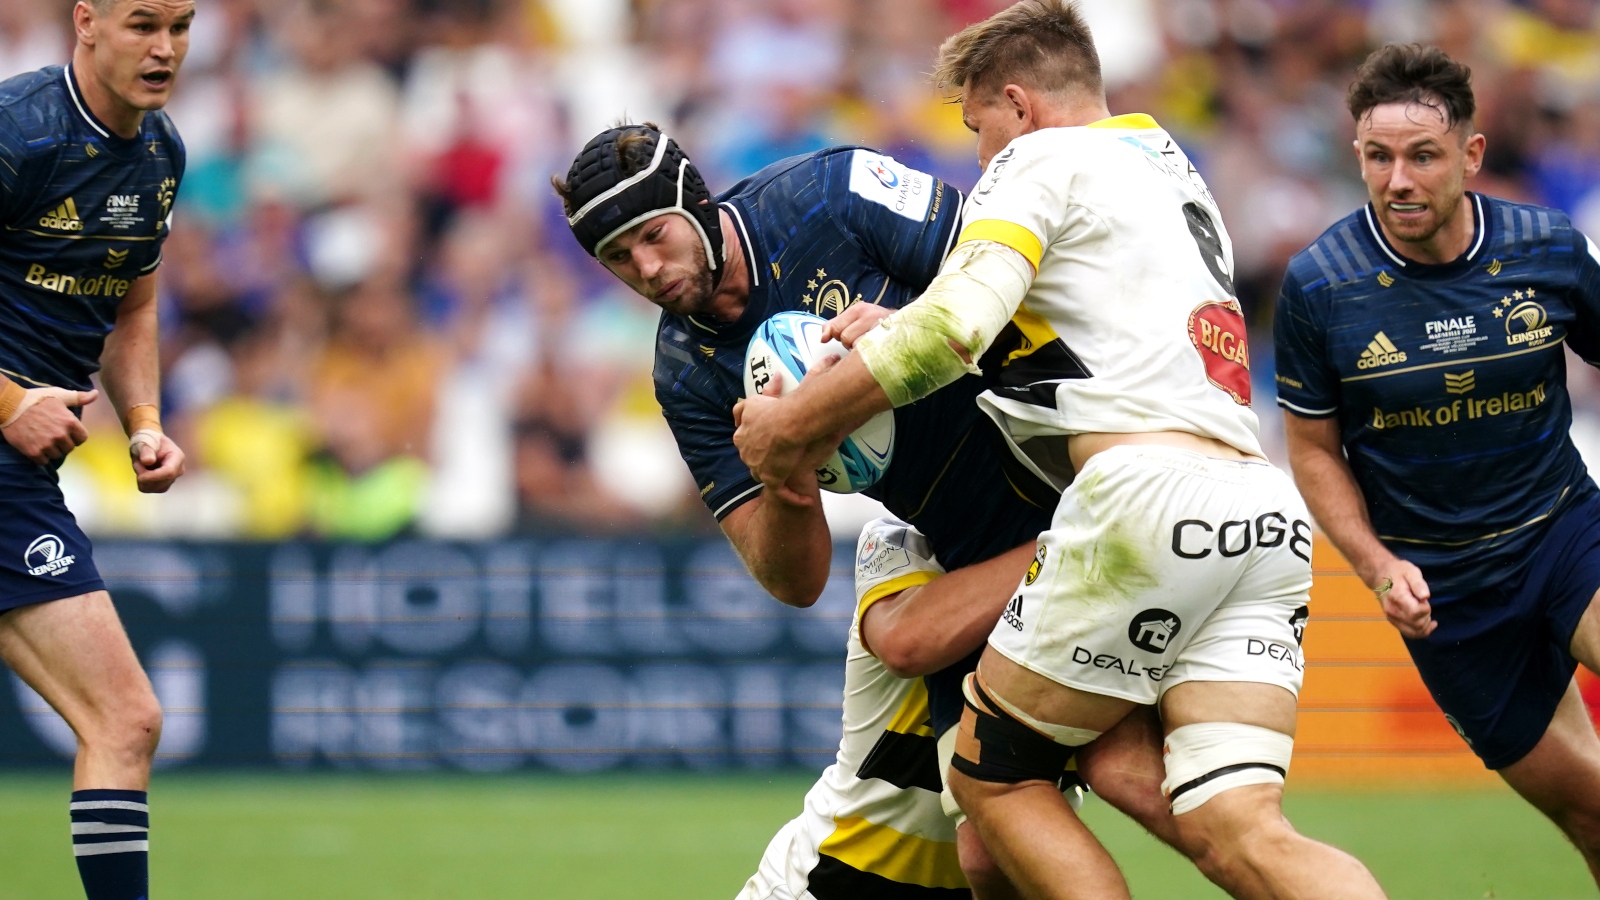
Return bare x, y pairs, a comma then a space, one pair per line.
1039, 44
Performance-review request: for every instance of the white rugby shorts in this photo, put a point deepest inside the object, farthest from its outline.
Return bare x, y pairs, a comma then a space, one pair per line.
1163, 566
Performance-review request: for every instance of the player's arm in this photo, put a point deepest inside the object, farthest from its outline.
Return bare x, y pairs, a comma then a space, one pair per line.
931, 342
36, 421
782, 536
925, 628
923, 347
784, 540
130, 371
1308, 393
1584, 334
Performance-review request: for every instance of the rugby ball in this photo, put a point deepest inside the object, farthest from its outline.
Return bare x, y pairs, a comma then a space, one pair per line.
790, 343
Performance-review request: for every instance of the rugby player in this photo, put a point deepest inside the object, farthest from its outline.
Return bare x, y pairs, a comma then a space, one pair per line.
1421, 371
885, 780
835, 230
89, 168
1177, 568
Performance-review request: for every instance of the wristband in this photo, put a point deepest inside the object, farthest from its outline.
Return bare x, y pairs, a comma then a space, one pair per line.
142, 417
11, 397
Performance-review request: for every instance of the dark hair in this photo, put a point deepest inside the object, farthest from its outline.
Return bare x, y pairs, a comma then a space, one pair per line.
1413, 73
635, 149
1043, 44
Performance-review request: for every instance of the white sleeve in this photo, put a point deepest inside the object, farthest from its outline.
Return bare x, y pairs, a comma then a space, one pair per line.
891, 556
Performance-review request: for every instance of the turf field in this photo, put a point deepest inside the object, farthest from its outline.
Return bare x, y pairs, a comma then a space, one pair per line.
666, 837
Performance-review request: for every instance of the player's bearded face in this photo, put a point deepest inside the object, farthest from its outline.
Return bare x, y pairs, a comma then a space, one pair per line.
138, 48
1415, 167
664, 261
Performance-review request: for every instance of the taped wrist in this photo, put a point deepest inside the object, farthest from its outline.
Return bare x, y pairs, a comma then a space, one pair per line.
142, 417
1208, 758
977, 292
11, 397
1012, 750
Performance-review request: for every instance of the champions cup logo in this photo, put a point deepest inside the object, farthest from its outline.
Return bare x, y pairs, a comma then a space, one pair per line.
47, 555
883, 173
1218, 334
867, 550
1526, 324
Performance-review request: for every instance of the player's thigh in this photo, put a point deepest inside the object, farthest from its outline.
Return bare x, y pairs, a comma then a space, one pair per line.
1124, 768
1561, 774
1132, 564
75, 653
1585, 645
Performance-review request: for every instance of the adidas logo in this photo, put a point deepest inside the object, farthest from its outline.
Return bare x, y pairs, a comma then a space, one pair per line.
1013, 614
65, 218
1460, 383
1381, 352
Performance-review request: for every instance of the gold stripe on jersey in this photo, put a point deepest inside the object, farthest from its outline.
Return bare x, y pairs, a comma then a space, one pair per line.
1008, 233
889, 588
913, 717
1455, 362
1127, 122
904, 858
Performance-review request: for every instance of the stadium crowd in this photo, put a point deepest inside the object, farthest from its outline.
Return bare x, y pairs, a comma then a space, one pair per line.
375, 321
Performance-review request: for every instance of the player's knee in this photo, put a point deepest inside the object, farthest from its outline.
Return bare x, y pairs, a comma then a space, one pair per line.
1208, 759
1581, 822
1230, 841
132, 731
982, 871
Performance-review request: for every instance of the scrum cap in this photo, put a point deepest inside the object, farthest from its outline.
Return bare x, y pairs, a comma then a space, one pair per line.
606, 202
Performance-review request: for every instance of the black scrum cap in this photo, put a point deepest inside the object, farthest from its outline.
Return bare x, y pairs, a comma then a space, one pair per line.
606, 203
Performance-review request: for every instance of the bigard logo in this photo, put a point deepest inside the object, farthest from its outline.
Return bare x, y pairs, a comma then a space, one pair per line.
1381, 352
1217, 332
47, 555
65, 218
1154, 629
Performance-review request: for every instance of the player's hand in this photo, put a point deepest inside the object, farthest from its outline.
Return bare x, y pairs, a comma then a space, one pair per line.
848, 327
43, 428
157, 461
1404, 595
767, 441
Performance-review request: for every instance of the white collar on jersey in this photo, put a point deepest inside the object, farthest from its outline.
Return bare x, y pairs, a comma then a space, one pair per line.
72, 91
1480, 225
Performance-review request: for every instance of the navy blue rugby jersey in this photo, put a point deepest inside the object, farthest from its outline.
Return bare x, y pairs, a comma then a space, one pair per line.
1449, 381
84, 213
822, 232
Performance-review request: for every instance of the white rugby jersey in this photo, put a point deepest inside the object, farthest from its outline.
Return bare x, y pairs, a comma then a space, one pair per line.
1131, 324
875, 813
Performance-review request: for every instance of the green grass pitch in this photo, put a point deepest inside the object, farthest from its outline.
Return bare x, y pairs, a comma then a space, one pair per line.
668, 836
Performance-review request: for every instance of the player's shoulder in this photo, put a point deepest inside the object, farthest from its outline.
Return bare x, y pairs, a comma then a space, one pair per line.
890, 549
159, 126
35, 103
682, 379
1344, 254
786, 177
1516, 230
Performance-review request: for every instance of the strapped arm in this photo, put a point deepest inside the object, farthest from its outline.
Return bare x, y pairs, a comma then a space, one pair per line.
936, 340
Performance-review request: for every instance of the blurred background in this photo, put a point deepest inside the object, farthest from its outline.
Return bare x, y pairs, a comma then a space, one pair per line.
376, 322
433, 519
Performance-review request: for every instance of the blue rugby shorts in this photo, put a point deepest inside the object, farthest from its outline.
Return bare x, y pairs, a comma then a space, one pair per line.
44, 555
1499, 686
